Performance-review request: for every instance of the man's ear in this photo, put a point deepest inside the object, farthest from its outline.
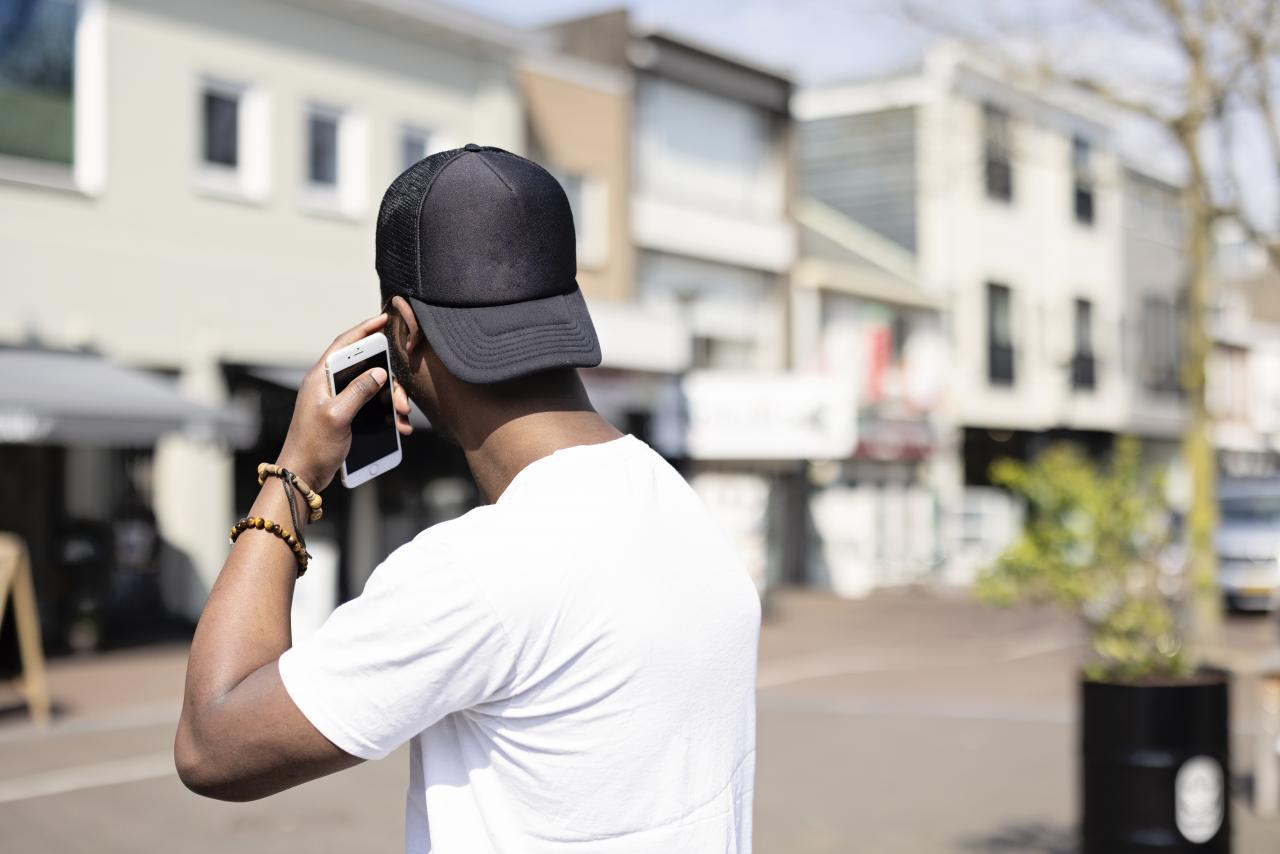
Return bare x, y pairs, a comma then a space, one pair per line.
400, 310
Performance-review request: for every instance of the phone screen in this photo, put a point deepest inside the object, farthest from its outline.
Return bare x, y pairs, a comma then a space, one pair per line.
373, 432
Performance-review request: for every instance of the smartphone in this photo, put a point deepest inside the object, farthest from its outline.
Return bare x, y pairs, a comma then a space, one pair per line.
375, 442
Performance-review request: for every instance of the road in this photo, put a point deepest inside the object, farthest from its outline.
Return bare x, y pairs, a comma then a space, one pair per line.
907, 722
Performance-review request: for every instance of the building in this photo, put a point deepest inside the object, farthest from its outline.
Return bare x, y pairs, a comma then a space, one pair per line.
1056, 268
1154, 312
191, 188
710, 244
1243, 373
860, 317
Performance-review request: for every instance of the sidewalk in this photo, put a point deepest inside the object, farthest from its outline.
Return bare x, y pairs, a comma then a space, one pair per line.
903, 723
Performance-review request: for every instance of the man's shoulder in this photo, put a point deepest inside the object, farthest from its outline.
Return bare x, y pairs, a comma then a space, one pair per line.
452, 536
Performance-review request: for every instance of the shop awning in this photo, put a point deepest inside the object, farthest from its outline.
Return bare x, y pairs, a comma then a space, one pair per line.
68, 398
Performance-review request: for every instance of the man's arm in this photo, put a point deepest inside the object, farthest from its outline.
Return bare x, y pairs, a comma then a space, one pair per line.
240, 736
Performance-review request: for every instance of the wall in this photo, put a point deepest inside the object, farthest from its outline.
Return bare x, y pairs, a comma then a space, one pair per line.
579, 118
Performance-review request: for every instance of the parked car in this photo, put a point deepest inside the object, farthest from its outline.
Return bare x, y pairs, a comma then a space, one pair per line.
1248, 543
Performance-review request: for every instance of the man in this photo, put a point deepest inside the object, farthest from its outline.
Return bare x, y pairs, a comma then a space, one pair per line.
574, 662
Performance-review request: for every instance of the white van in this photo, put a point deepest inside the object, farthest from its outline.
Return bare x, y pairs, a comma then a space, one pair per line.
1248, 543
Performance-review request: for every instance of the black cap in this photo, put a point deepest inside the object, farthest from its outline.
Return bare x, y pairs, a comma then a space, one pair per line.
480, 242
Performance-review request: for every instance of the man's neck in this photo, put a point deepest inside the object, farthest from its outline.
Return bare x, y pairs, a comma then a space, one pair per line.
508, 448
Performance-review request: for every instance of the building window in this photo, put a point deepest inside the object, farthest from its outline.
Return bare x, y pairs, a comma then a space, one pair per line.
1160, 350
1000, 368
997, 153
322, 148
221, 127
899, 331
1082, 176
589, 202
414, 145
37, 81
334, 177
705, 149
1083, 363
53, 94
231, 140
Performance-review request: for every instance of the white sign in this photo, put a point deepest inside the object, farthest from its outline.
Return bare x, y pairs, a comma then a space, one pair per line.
733, 415
1199, 798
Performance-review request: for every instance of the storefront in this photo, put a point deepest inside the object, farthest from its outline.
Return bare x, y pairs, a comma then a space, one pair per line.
746, 441
77, 441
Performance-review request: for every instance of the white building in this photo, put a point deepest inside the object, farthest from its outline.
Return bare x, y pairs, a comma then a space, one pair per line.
1012, 206
1243, 374
193, 189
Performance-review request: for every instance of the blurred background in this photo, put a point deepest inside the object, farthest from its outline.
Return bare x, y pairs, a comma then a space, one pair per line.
842, 257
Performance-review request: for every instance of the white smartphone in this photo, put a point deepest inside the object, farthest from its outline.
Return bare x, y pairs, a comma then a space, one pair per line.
375, 442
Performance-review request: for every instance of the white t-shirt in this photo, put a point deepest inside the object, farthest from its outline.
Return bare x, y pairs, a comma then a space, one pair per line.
575, 666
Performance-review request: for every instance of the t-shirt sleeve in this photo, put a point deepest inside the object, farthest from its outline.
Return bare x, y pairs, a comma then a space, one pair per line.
420, 642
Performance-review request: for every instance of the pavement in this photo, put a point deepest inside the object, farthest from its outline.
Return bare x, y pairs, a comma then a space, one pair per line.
906, 722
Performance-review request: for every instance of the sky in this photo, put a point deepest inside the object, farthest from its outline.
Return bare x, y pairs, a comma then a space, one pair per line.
815, 41
823, 41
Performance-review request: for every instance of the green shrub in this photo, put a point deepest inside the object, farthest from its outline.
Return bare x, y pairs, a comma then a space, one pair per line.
1092, 543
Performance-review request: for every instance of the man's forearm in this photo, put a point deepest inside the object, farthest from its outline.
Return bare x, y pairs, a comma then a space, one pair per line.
245, 623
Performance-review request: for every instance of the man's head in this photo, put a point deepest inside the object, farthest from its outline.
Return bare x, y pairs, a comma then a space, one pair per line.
476, 260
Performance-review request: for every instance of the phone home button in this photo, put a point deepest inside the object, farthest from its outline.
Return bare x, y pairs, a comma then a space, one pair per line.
373, 469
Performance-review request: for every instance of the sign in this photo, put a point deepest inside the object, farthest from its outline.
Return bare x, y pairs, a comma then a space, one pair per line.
740, 415
1199, 798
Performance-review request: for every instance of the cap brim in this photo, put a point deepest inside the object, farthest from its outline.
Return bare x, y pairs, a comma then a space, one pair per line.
488, 344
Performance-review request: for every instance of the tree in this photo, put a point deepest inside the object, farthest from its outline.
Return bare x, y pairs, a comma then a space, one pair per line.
1202, 73
1094, 543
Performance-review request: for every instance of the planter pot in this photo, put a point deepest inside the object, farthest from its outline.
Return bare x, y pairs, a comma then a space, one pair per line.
1155, 774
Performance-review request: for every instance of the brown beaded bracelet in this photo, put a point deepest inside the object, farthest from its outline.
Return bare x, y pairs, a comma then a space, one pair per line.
313, 499
285, 535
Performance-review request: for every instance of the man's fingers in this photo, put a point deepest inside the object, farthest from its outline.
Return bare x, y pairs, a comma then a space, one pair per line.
363, 329
400, 399
361, 390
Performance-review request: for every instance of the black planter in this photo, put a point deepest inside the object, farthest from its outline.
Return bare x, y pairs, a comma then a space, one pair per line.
1155, 774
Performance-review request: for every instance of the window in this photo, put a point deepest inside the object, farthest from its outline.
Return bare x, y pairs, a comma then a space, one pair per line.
322, 148
705, 149
998, 167
1083, 364
37, 81
231, 154
53, 94
999, 335
899, 331
334, 162
1160, 351
1082, 176
221, 131
588, 200
414, 145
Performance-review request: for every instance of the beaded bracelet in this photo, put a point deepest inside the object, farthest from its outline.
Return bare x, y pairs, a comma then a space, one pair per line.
313, 499
286, 536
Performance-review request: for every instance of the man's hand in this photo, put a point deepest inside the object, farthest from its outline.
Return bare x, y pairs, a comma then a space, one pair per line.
320, 431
